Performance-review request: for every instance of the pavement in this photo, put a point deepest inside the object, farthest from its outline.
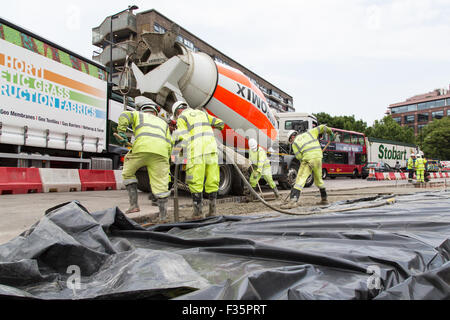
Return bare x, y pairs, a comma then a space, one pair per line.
19, 212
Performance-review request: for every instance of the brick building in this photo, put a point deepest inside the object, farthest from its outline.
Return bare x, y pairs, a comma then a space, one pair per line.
153, 21
416, 112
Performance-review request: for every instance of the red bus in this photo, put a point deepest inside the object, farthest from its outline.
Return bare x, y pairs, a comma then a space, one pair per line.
345, 155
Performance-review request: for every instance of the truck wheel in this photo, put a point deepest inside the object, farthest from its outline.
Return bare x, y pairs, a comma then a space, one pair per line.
284, 185
309, 181
292, 175
143, 181
226, 180
238, 185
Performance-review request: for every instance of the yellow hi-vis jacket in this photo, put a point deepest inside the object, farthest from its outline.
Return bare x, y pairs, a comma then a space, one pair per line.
194, 128
151, 133
306, 146
259, 159
420, 164
411, 163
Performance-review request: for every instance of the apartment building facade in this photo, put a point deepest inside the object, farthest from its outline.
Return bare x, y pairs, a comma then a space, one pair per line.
416, 112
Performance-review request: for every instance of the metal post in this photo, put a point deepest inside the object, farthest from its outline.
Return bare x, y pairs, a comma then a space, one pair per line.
110, 50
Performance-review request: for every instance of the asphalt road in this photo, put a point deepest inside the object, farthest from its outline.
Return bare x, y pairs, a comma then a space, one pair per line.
19, 212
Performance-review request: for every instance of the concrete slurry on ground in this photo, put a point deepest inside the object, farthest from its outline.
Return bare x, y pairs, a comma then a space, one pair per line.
19, 212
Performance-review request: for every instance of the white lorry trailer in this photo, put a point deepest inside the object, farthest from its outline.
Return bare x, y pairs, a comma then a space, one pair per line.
379, 150
53, 105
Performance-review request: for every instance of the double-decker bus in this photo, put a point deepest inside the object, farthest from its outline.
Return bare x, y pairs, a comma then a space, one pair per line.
345, 155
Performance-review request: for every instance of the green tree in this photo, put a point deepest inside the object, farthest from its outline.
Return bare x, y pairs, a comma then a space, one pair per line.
389, 129
341, 122
434, 139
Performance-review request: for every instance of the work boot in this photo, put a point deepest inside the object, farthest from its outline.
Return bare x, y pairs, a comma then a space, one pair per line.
152, 197
197, 199
133, 197
277, 194
323, 195
293, 199
162, 203
212, 204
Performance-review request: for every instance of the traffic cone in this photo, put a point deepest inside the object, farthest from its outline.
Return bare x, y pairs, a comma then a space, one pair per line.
371, 176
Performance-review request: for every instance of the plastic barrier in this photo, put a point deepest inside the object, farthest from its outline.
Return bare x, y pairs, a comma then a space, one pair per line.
119, 180
97, 180
379, 175
19, 180
403, 176
60, 180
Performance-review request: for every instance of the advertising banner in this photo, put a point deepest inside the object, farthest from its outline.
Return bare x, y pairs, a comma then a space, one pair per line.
45, 101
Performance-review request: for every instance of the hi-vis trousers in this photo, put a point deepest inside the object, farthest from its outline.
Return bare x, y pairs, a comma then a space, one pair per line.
199, 168
157, 167
306, 167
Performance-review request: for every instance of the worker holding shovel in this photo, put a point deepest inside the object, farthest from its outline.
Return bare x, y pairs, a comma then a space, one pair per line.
308, 151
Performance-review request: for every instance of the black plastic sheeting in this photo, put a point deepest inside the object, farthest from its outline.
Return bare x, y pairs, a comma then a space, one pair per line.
398, 251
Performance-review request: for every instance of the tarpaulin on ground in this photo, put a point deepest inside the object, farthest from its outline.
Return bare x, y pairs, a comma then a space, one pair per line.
398, 251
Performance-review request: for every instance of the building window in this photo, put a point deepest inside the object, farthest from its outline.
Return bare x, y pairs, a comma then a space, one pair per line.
420, 127
448, 112
409, 119
435, 104
422, 106
448, 101
158, 28
411, 107
398, 120
264, 89
188, 44
422, 117
437, 114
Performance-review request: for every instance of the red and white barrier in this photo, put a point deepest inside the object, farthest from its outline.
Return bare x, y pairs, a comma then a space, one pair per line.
119, 180
60, 180
379, 176
37, 180
19, 180
97, 180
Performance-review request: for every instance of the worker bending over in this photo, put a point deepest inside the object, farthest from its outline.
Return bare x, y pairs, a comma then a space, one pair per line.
261, 167
194, 131
308, 151
152, 148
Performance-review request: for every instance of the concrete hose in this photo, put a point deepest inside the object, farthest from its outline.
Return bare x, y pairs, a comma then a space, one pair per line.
388, 201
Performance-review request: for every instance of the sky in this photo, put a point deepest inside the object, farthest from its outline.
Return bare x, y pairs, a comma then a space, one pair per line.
342, 57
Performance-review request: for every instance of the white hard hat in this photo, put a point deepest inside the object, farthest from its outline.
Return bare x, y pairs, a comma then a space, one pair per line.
413, 155
144, 103
252, 144
290, 133
177, 105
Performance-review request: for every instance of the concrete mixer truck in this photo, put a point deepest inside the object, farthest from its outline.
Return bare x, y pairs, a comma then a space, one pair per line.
166, 71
